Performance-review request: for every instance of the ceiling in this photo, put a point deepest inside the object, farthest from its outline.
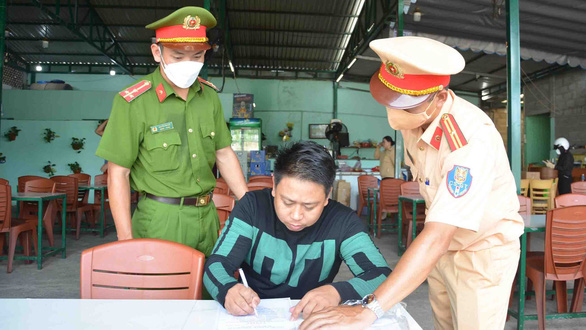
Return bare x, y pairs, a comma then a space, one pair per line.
296, 39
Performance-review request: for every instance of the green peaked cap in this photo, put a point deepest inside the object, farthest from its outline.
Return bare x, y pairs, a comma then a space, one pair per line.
178, 17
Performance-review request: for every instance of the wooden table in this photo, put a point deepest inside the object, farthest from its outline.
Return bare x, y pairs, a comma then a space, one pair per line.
103, 226
40, 198
87, 314
414, 199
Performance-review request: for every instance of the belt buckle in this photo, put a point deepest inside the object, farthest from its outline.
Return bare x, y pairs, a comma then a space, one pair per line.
201, 201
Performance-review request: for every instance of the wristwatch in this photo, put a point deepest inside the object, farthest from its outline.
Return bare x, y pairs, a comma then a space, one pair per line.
369, 301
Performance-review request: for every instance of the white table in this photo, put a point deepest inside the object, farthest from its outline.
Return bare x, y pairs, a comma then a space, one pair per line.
85, 314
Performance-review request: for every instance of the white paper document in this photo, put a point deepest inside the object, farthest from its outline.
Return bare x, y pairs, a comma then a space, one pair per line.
272, 314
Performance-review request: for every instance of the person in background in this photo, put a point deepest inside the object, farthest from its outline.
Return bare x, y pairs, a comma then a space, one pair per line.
386, 156
164, 135
291, 240
564, 165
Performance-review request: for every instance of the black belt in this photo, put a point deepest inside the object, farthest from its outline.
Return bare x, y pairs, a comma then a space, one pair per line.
189, 201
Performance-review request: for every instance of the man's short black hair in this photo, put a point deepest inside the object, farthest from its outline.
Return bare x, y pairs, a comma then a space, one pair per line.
389, 139
308, 161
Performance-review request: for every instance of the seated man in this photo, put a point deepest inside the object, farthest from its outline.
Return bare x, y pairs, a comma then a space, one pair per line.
291, 240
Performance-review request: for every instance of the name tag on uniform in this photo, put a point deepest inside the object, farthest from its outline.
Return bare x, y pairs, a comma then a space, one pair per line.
161, 127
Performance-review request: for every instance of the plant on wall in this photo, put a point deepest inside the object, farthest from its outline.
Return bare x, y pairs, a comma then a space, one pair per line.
2, 158
49, 135
77, 144
12, 133
75, 168
49, 169
286, 133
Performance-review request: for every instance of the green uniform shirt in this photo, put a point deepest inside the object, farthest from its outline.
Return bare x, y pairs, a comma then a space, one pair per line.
174, 159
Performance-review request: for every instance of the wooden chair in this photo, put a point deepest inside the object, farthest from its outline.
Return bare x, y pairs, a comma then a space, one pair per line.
388, 200
579, 187
564, 260
263, 178
141, 269
14, 227
570, 200
552, 196
26, 207
411, 188
224, 205
365, 182
69, 185
525, 187
540, 193
4, 181
41, 186
252, 186
82, 180
221, 188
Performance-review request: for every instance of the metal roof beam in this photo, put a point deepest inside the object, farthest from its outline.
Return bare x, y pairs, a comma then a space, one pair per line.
97, 30
366, 29
334, 33
78, 40
489, 74
289, 46
298, 13
37, 23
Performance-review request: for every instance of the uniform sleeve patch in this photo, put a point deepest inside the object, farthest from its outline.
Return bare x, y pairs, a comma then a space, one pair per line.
459, 181
135, 90
205, 82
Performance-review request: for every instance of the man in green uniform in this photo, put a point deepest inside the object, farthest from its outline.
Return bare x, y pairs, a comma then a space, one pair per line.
163, 137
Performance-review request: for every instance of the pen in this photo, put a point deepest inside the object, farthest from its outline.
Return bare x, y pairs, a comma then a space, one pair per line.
245, 284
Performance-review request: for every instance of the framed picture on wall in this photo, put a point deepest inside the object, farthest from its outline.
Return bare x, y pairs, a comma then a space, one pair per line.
317, 131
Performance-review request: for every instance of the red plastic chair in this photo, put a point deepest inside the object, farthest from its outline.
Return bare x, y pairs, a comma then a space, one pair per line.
143, 268
564, 260
82, 180
4, 181
14, 227
411, 188
388, 202
26, 207
41, 186
221, 188
579, 187
261, 178
69, 185
259, 185
570, 200
365, 182
224, 205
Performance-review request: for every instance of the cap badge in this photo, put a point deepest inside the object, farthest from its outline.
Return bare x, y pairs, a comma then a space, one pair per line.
394, 70
191, 23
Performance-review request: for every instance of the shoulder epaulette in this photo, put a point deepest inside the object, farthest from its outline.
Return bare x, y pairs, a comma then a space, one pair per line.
203, 81
135, 90
453, 133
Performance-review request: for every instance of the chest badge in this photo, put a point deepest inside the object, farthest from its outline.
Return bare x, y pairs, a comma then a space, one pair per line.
459, 181
161, 127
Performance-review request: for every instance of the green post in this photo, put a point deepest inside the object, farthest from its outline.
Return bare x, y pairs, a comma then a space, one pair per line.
2, 41
398, 136
204, 71
514, 89
335, 114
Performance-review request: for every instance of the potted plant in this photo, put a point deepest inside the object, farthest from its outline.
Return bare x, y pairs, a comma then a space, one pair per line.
49, 169
286, 133
75, 168
77, 144
2, 158
49, 135
12, 133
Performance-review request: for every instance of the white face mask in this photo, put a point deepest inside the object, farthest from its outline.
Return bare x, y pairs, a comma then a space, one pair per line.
403, 120
182, 74
557, 151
